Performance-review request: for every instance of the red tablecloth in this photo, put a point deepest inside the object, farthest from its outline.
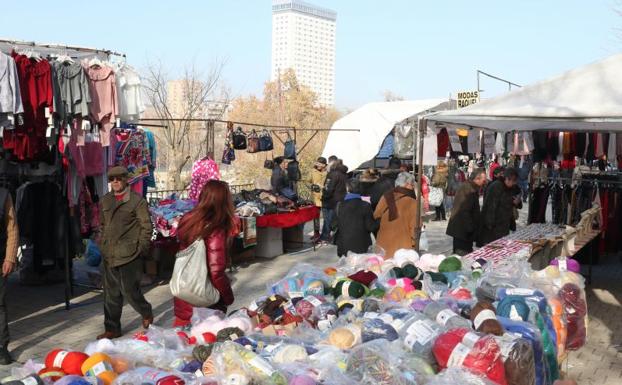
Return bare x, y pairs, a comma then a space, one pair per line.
284, 220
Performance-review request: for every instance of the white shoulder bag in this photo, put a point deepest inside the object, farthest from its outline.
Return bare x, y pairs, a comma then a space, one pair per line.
191, 280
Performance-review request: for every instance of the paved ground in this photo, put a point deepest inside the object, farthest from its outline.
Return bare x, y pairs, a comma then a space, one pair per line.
39, 322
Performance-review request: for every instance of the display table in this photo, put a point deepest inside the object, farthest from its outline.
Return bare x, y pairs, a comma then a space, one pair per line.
289, 219
276, 232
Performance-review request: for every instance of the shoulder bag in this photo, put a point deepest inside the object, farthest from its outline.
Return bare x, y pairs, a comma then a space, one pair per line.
265, 141
239, 139
253, 143
191, 281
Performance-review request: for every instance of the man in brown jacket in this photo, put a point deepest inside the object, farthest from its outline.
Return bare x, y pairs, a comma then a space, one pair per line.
397, 211
464, 222
125, 236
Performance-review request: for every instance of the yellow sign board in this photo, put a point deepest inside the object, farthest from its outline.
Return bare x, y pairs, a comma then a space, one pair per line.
466, 98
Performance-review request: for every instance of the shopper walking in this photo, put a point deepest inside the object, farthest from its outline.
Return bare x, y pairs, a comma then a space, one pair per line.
464, 221
9, 241
355, 222
397, 212
497, 210
334, 192
125, 237
439, 184
213, 219
318, 178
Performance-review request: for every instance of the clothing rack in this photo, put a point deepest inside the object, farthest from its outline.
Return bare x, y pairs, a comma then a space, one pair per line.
78, 51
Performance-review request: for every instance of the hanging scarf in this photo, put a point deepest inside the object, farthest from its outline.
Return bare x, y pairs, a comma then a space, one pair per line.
389, 196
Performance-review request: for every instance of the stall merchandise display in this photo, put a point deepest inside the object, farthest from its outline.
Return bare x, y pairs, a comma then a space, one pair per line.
342, 325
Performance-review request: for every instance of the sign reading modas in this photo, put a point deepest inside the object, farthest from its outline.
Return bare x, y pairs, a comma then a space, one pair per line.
466, 98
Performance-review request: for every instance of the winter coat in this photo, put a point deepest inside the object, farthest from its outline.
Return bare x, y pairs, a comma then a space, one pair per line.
318, 178
439, 179
399, 233
278, 180
355, 223
455, 178
385, 183
125, 228
465, 215
335, 187
497, 212
216, 248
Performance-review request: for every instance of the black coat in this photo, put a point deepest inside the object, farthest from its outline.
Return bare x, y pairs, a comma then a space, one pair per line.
385, 183
497, 213
465, 215
355, 223
279, 180
334, 187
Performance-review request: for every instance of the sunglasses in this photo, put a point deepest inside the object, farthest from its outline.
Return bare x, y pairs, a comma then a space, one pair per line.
116, 178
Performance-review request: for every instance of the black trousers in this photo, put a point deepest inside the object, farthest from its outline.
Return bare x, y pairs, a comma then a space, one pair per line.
119, 283
440, 212
462, 247
4, 317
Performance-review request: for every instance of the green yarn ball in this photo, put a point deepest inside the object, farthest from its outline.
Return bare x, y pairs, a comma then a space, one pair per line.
355, 289
450, 264
398, 272
413, 272
377, 293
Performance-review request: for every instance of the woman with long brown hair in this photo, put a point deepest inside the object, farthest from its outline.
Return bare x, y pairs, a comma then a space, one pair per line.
213, 220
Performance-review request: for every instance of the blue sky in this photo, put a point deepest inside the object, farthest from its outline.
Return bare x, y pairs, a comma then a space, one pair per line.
418, 49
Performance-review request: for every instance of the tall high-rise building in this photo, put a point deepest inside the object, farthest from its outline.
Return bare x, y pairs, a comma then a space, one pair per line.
303, 39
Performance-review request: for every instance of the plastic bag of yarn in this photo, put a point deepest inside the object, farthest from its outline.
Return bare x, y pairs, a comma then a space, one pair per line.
99, 365
435, 289
372, 363
419, 334
574, 306
76, 380
403, 257
559, 323
307, 305
445, 316
484, 318
415, 368
330, 356
149, 376
204, 313
430, 262
566, 264
454, 376
478, 353
518, 359
288, 287
166, 338
549, 346
531, 334
234, 363
345, 337
346, 288
376, 328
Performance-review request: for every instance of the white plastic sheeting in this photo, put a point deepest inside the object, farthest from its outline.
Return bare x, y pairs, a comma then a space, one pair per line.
588, 98
374, 122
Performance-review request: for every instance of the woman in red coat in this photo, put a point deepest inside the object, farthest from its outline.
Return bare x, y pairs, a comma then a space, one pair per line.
212, 219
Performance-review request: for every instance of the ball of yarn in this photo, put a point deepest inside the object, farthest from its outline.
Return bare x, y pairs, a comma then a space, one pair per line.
377, 292
460, 293
330, 271
437, 277
396, 294
397, 272
406, 254
450, 264
444, 316
376, 328
289, 353
551, 272
345, 337
519, 362
170, 380
349, 289
51, 374
202, 352
229, 334
514, 308
101, 364
120, 364
479, 264
371, 305
364, 277
302, 379
312, 286
567, 264
413, 272
484, 319
305, 307
575, 310
70, 362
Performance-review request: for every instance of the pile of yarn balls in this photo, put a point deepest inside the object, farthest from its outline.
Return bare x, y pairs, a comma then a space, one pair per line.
408, 320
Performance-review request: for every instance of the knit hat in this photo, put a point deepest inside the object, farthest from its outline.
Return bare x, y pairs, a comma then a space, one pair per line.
485, 320
70, 362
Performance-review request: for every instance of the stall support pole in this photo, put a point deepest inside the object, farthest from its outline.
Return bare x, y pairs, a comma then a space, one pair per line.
418, 228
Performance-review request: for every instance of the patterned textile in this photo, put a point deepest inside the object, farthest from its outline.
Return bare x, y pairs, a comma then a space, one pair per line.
132, 152
167, 214
203, 171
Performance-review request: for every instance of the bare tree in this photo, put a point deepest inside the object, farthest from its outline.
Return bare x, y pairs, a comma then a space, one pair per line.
183, 140
390, 96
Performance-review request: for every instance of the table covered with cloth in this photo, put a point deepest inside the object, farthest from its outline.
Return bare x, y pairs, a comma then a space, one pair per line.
289, 219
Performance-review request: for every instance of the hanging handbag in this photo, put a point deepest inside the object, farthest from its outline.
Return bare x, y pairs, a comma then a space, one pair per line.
191, 281
289, 151
265, 141
228, 154
435, 198
253, 143
268, 164
239, 139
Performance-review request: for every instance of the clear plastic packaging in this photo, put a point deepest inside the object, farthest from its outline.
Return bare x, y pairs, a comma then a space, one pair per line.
574, 306
418, 336
372, 363
445, 316
518, 359
455, 376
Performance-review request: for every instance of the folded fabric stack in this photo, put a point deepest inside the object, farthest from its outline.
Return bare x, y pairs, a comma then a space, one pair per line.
168, 212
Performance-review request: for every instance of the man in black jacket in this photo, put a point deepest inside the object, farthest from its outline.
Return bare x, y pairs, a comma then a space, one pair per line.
334, 192
279, 180
497, 210
465, 216
385, 183
355, 222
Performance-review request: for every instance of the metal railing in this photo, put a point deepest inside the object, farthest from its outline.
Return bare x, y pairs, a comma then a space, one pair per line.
155, 196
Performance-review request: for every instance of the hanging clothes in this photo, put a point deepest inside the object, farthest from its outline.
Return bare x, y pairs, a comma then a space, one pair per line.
132, 152
71, 91
129, 93
203, 171
580, 144
104, 105
10, 94
151, 142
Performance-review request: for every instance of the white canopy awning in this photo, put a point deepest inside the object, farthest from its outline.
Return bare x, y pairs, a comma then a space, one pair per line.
584, 99
374, 121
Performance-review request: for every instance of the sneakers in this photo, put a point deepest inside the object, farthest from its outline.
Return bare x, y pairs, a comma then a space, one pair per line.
5, 357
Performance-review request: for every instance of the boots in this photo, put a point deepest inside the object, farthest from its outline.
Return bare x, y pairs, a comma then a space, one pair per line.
5, 356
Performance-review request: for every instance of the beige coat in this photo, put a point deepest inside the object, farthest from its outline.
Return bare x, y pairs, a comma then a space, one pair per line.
398, 234
318, 178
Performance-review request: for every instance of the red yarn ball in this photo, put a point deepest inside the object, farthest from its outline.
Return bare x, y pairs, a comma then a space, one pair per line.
69, 362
